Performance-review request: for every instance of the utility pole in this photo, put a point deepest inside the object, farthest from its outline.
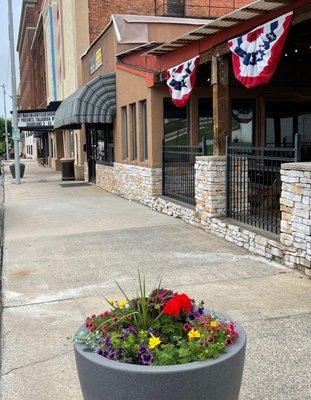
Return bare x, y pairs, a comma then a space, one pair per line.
5, 123
15, 131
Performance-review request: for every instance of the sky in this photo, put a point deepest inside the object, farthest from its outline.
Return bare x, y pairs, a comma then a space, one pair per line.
5, 66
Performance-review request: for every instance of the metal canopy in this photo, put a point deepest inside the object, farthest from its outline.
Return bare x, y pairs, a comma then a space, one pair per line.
243, 14
93, 103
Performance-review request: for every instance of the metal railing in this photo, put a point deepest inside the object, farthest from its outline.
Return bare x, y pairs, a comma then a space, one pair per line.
254, 184
178, 172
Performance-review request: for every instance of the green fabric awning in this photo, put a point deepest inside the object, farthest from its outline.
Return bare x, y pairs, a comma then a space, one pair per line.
92, 104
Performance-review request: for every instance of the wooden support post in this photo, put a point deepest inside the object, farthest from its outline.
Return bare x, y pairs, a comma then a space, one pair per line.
221, 106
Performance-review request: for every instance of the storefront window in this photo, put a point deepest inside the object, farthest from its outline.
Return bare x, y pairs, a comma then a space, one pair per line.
175, 124
124, 132
143, 129
206, 129
243, 122
284, 120
133, 130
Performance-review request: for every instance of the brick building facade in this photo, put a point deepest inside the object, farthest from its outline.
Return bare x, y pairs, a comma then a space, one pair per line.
30, 47
100, 10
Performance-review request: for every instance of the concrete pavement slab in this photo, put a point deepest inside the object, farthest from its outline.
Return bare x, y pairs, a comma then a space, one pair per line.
65, 246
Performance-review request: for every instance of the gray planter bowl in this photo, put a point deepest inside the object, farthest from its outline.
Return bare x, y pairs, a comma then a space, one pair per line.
220, 379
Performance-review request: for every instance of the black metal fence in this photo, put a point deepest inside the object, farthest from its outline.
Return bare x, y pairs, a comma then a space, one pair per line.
254, 184
178, 171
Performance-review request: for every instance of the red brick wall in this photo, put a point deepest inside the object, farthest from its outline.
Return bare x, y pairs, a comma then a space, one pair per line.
100, 10
31, 61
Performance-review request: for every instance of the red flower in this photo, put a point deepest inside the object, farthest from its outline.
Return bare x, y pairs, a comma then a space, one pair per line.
180, 302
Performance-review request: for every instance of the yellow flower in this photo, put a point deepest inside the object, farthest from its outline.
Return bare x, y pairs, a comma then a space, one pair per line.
214, 324
122, 303
194, 334
153, 342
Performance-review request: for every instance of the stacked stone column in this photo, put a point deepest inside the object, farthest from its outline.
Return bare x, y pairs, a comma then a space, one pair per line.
210, 188
296, 215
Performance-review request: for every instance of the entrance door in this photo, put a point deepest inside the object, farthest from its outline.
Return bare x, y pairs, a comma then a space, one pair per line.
91, 153
100, 147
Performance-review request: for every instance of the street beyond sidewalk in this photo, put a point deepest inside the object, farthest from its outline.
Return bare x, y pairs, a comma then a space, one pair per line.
65, 245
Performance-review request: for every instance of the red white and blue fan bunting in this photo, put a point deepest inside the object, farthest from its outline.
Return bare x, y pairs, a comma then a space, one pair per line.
256, 54
181, 81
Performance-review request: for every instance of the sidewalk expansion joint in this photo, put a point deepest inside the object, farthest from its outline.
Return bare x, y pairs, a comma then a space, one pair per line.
34, 363
44, 302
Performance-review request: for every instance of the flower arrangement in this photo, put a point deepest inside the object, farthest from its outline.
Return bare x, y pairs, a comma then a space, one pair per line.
164, 328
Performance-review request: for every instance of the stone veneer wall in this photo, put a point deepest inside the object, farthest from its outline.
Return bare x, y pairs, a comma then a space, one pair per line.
105, 177
145, 186
130, 181
296, 215
211, 210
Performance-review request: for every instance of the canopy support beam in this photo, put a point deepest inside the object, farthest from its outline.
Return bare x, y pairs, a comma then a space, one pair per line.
221, 105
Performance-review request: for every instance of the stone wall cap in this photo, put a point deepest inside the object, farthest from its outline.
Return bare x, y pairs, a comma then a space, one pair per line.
211, 158
299, 166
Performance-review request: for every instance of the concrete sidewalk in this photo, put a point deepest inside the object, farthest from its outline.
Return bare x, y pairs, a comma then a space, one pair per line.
63, 248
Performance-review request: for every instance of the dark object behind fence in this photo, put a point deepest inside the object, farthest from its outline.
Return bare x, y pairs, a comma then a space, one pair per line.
179, 171
254, 184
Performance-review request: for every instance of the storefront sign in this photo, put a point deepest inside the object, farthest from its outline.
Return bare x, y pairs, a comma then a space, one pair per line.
36, 119
96, 61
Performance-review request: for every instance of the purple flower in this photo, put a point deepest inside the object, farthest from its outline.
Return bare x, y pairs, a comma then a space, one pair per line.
108, 343
201, 311
127, 332
150, 330
132, 330
112, 355
100, 352
143, 349
145, 356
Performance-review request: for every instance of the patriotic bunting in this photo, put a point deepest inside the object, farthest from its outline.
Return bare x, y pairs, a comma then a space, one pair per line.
256, 54
181, 81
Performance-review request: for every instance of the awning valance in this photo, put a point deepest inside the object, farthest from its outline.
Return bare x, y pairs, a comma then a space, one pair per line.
92, 104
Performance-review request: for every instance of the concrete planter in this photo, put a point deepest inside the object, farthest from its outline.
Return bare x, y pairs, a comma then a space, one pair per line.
220, 379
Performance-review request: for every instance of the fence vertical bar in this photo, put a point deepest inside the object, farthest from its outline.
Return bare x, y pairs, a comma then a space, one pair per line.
227, 178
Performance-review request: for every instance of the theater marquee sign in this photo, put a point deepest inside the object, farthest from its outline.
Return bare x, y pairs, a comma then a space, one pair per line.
35, 120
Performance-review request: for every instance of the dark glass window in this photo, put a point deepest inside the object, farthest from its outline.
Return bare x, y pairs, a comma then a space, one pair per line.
143, 129
206, 128
243, 122
124, 132
133, 130
175, 124
176, 8
284, 120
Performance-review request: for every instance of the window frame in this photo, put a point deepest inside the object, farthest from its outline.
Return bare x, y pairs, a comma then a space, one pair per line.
124, 133
133, 130
143, 119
